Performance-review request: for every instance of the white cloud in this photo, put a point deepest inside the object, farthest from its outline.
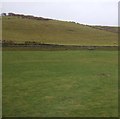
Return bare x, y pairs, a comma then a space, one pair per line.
104, 12
48, 1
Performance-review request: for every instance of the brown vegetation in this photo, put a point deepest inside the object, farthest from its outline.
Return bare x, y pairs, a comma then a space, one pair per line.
28, 16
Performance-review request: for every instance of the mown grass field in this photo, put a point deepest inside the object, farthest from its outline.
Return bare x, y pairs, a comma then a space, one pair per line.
55, 32
60, 83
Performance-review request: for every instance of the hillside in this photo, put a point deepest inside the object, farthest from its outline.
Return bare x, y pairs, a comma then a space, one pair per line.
107, 28
20, 29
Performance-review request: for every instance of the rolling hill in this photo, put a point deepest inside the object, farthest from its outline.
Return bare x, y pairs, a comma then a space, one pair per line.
20, 30
107, 28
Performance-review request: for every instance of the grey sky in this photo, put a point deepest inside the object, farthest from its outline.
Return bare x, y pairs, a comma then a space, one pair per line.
97, 12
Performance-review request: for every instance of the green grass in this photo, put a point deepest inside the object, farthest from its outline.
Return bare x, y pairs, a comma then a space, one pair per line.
107, 28
55, 32
60, 83
0, 83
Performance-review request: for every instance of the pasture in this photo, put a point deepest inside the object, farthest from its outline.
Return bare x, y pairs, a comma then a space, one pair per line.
60, 83
20, 30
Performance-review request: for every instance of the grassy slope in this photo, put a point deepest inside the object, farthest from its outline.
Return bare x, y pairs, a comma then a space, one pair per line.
107, 28
67, 83
53, 31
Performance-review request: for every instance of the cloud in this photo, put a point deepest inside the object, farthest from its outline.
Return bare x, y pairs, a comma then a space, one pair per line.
88, 12
48, 1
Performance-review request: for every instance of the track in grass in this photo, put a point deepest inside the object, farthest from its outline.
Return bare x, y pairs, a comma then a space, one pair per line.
60, 83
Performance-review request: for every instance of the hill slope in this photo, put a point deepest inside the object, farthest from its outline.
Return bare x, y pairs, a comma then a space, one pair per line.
55, 32
107, 28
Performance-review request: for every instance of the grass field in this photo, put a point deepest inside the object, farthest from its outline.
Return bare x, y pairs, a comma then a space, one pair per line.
60, 83
0, 83
55, 32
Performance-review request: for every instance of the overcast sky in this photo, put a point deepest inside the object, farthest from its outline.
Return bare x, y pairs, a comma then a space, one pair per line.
94, 12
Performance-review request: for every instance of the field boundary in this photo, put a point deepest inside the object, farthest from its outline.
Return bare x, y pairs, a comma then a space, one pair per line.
55, 47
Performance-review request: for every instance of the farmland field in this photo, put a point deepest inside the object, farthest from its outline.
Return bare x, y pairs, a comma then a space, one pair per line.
60, 83
20, 30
